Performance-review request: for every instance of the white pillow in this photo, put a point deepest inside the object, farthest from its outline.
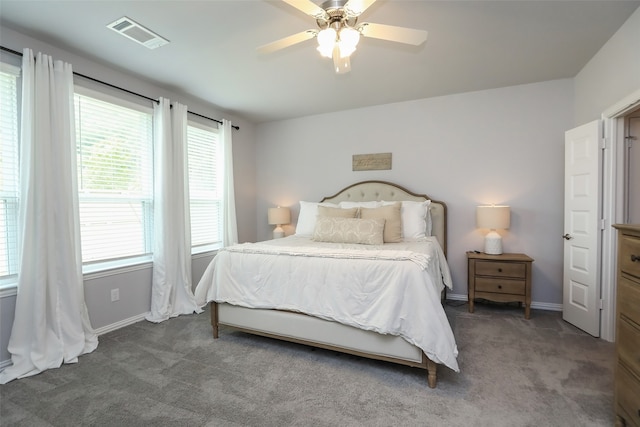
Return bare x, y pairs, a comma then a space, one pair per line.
347, 205
416, 219
307, 217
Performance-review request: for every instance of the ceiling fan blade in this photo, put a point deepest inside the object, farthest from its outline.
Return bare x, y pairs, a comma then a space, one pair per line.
287, 41
393, 33
356, 7
308, 7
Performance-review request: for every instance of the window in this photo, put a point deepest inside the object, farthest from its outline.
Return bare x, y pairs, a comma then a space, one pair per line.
9, 180
115, 173
205, 187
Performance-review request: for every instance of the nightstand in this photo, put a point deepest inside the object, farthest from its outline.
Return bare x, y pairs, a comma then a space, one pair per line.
501, 278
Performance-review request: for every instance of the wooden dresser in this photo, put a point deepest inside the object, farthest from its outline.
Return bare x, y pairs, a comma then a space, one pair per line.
627, 380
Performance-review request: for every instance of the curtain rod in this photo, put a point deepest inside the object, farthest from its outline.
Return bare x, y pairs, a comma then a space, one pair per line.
15, 52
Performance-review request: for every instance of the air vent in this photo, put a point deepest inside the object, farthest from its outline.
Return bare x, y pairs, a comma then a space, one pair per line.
136, 32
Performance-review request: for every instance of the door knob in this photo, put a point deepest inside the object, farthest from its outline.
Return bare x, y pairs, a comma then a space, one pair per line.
567, 236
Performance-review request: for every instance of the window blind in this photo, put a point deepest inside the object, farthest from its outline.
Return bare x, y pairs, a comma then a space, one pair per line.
205, 186
9, 169
115, 173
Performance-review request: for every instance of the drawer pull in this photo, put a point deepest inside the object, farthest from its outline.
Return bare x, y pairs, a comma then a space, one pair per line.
499, 286
500, 270
635, 258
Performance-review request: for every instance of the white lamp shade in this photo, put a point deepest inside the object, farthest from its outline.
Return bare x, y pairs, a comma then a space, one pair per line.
279, 216
348, 41
326, 42
493, 217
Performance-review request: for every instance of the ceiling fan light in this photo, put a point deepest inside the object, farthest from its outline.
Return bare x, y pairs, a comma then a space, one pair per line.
327, 53
345, 49
326, 42
341, 63
350, 37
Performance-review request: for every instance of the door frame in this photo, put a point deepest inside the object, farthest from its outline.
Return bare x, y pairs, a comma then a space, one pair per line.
613, 205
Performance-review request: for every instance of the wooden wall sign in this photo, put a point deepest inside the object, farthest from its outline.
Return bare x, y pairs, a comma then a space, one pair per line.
372, 162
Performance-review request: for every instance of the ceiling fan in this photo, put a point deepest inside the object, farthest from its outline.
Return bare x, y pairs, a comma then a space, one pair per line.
338, 30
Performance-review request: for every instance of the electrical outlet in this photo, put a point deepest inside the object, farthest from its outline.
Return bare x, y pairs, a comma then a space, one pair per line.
115, 294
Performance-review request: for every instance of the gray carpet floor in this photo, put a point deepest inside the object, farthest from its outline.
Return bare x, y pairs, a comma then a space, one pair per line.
514, 372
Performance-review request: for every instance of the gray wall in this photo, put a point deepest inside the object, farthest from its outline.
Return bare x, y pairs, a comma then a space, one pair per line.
135, 283
496, 146
612, 74
502, 146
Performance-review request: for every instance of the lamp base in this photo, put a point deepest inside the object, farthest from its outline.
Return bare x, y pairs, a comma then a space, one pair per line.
493, 243
278, 232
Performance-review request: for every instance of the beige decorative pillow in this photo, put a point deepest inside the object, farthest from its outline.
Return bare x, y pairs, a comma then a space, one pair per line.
337, 212
307, 217
349, 230
392, 214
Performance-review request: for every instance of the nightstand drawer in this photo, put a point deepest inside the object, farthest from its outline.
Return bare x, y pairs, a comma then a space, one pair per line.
628, 345
500, 286
501, 269
628, 395
629, 299
630, 251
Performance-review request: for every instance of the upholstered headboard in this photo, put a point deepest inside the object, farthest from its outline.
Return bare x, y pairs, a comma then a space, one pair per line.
380, 190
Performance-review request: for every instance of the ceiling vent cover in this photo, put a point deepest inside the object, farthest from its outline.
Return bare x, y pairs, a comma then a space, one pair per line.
136, 32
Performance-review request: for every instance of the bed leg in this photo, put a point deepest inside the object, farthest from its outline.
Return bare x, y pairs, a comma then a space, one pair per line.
214, 318
431, 373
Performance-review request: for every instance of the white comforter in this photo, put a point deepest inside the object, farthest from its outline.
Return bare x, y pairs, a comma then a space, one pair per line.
391, 289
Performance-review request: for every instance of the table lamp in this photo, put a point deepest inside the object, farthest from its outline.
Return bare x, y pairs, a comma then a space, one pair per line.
279, 216
493, 217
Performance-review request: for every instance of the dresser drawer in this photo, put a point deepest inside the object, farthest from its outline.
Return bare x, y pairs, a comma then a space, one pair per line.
628, 345
630, 251
500, 286
501, 269
629, 299
628, 395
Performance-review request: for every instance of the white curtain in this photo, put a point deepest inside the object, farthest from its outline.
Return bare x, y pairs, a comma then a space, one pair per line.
171, 293
230, 225
51, 324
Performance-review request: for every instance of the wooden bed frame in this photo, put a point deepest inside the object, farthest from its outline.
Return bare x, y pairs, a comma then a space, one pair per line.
309, 330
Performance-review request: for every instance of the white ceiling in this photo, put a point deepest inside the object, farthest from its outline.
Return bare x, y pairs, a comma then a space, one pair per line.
472, 45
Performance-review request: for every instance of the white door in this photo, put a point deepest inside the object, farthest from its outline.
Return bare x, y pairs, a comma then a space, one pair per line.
582, 227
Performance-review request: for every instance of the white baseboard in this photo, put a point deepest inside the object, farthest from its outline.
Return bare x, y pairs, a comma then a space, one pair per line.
457, 297
121, 324
100, 331
549, 306
536, 305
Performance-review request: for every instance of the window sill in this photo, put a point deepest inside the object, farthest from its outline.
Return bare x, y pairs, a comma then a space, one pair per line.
205, 250
110, 268
9, 286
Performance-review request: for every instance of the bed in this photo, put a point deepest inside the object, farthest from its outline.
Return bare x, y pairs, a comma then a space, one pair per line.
381, 301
